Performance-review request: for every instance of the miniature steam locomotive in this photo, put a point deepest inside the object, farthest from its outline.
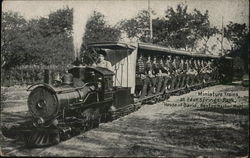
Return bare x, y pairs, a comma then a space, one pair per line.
91, 95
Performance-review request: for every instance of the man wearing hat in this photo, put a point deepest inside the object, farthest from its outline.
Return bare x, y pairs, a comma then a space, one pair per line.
154, 78
170, 65
149, 75
102, 62
175, 74
165, 73
140, 76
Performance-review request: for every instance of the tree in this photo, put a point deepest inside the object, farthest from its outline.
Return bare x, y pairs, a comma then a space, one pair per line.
57, 38
180, 29
37, 41
50, 39
160, 34
137, 27
237, 34
98, 30
13, 26
201, 29
61, 21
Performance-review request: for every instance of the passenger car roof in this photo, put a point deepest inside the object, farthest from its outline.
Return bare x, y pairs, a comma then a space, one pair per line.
150, 48
112, 45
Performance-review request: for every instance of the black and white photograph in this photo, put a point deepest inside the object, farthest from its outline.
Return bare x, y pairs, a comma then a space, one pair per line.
125, 78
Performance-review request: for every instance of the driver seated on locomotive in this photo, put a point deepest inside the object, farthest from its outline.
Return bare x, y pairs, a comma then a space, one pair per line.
102, 62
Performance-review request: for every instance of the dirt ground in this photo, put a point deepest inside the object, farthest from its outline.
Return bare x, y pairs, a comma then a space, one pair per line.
178, 127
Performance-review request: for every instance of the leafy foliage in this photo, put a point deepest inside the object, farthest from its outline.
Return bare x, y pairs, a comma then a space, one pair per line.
201, 29
137, 27
237, 33
178, 29
98, 30
13, 26
37, 41
183, 29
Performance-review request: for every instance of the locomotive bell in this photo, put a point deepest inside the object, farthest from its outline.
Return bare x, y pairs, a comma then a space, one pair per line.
56, 77
68, 78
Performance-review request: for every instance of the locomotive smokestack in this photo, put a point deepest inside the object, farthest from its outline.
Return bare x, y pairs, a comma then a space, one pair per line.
76, 51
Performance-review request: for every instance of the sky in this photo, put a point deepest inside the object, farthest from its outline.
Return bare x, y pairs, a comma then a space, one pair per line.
116, 10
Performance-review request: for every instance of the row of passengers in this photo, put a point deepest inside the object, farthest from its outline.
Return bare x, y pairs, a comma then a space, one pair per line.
181, 65
180, 72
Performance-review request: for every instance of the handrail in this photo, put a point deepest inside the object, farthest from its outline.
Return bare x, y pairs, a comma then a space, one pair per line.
57, 91
37, 85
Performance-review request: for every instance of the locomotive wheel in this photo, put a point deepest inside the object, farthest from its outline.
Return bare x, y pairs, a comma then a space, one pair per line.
183, 91
165, 96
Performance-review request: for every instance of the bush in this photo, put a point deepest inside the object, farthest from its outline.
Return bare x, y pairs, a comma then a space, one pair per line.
3, 98
28, 74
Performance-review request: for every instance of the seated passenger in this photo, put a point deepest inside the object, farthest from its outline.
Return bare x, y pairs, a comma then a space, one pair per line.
149, 67
140, 70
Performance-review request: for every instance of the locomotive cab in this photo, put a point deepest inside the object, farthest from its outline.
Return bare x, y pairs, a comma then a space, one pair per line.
102, 80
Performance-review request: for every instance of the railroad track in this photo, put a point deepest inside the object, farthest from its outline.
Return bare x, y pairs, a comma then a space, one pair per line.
15, 118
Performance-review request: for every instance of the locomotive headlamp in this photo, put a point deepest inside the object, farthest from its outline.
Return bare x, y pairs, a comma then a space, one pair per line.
41, 104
